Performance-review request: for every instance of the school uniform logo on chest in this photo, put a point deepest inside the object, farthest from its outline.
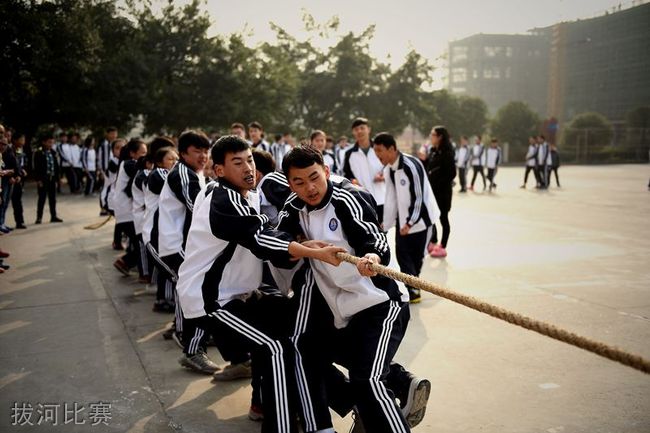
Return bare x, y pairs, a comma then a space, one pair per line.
402, 182
334, 224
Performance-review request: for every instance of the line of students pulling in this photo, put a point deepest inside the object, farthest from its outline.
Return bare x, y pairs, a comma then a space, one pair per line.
279, 305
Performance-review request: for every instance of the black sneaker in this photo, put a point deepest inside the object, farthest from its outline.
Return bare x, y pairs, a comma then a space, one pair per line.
21, 226
38, 221
414, 295
415, 405
56, 220
199, 362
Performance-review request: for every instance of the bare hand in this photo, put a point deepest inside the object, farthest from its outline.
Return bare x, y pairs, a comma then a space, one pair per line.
328, 255
363, 266
404, 230
315, 244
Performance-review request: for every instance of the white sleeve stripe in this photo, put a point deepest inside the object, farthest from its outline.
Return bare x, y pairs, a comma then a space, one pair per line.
185, 184
357, 213
233, 202
418, 189
276, 241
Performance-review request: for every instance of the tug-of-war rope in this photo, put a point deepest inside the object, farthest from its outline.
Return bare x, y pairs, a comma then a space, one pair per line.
602, 349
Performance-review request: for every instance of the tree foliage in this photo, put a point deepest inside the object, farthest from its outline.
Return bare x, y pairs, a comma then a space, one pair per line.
92, 63
513, 124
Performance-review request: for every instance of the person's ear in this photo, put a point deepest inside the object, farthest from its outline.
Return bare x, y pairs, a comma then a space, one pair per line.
327, 172
219, 170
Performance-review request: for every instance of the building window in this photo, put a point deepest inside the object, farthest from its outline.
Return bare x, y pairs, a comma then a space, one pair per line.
492, 51
491, 73
458, 53
475, 74
508, 51
458, 75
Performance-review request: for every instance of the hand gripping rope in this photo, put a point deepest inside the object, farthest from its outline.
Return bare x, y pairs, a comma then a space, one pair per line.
602, 349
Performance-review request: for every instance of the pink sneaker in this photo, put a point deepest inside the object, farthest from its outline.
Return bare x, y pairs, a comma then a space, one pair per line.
439, 252
431, 247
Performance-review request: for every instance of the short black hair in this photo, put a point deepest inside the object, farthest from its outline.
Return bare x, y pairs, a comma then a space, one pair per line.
161, 153
47, 136
237, 125
359, 121
158, 143
494, 140
197, 139
264, 161
227, 144
301, 157
278, 137
111, 129
256, 125
385, 139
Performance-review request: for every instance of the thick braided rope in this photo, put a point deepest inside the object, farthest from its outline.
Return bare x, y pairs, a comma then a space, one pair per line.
602, 349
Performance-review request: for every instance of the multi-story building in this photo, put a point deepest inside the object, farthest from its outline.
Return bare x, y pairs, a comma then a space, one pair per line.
501, 68
600, 64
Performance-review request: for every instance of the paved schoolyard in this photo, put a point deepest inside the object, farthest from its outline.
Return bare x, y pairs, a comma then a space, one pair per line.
73, 330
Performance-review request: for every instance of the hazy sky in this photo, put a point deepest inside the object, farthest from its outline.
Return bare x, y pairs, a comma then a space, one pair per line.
424, 25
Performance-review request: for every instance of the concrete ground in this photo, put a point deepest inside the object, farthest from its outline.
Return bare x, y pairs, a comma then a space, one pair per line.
73, 330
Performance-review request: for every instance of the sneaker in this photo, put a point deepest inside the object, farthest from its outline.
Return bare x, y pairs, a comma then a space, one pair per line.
414, 295
4, 267
38, 221
168, 334
198, 362
415, 405
431, 247
121, 266
163, 306
233, 372
178, 339
4, 254
56, 220
523, 187
4, 229
21, 226
255, 413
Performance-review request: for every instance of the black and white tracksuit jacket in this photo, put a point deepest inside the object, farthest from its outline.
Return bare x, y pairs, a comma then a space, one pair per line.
175, 208
274, 191
226, 243
138, 194
345, 218
155, 183
364, 167
409, 196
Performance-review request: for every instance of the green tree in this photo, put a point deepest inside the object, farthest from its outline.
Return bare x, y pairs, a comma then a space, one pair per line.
473, 112
513, 124
587, 137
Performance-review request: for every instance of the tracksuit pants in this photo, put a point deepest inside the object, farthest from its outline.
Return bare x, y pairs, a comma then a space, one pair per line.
410, 250
48, 189
260, 325
462, 175
17, 202
478, 169
365, 347
491, 174
528, 170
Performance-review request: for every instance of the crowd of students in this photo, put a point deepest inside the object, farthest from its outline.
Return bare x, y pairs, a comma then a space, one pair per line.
240, 238
242, 250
